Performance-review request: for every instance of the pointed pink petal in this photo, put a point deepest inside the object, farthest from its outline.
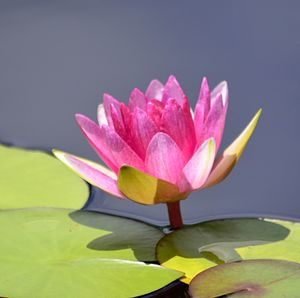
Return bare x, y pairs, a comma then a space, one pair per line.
108, 102
210, 113
101, 115
119, 123
113, 150
173, 90
93, 134
154, 110
143, 129
119, 117
137, 99
92, 172
155, 90
126, 116
221, 88
177, 125
202, 107
214, 124
164, 159
199, 166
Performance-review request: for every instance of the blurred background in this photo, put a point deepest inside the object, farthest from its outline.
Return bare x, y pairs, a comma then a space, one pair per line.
58, 58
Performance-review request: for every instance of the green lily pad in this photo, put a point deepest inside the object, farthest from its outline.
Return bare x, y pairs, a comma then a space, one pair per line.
63, 253
33, 178
198, 247
255, 278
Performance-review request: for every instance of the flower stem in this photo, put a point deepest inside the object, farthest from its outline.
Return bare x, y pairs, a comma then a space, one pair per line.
175, 215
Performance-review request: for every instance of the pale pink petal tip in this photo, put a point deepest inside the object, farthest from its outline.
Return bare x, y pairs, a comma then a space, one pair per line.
137, 99
221, 88
202, 106
93, 173
173, 90
109, 101
102, 120
81, 119
204, 93
155, 90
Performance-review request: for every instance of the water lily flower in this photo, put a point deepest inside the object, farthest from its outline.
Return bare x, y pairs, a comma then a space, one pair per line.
157, 150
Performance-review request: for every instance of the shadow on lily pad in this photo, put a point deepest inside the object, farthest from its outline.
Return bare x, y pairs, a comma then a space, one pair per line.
254, 232
124, 234
217, 240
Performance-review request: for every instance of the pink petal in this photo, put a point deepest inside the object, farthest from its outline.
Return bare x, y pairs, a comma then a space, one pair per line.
173, 90
143, 129
93, 173
113, 150
137, 99
180, 127
199, 166
121, 119
214, 124
154, 110
118, 150
155, 90
164, 159
94, 136
101, 115
126, 116
117, 119
108, 102
202, 107
221, 88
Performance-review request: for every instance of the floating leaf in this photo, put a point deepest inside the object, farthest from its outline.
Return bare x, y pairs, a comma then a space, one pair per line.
59, 253
255, 278
198, 247
33, 178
